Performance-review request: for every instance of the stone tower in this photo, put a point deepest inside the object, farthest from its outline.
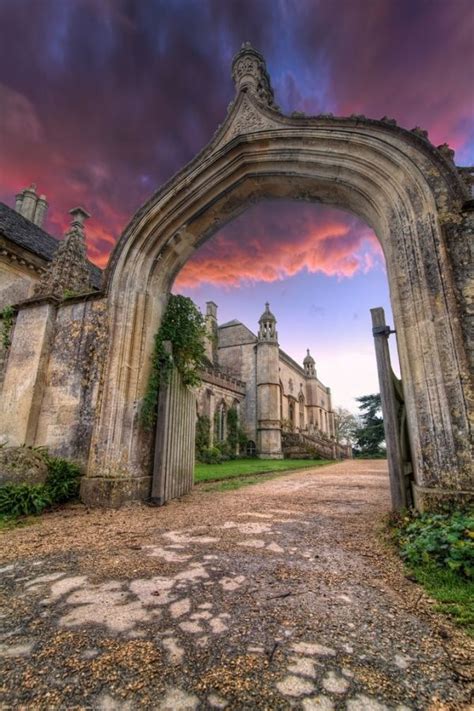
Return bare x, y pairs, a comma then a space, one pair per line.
311, 387
268, 389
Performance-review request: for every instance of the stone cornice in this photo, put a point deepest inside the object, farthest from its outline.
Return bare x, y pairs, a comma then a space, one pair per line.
17, 255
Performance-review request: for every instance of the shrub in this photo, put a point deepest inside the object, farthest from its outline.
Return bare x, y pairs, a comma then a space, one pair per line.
63, 480
210, 455
61, 485
24, 499
203, 433
444, 540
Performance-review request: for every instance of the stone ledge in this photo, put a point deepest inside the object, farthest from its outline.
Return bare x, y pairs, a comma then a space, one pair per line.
431, 499
113, 493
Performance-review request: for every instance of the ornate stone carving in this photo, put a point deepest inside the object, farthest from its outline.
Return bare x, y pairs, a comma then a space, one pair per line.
249, 73
418, 131
68, 271
247, 120
446, 151
389, 121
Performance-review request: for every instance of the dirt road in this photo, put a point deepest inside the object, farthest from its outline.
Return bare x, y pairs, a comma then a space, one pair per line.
279, 595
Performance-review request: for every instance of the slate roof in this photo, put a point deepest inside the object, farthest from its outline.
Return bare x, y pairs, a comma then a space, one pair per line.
234, 322
29, 236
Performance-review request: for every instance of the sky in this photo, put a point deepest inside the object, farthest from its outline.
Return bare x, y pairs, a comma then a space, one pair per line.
101, 101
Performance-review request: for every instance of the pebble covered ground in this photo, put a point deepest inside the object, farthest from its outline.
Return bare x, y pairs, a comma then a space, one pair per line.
281, 595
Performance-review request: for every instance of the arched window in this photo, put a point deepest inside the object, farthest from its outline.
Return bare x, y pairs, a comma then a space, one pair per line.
291, 412
251, 449
301, 411
220, 422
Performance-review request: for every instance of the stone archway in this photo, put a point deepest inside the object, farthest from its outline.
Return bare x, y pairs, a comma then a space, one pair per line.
409, 192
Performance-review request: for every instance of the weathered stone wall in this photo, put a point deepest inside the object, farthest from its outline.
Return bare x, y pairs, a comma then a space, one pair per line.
51, 377
317, 405
237, 353
72, 378
16, 282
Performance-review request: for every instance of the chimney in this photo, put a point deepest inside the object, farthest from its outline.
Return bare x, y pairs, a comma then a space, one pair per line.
28, 204
41, 210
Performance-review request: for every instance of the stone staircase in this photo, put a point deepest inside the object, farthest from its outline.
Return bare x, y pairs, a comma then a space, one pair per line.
301, 445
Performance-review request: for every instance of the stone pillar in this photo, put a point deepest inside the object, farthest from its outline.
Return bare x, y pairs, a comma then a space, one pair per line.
211, 326
268, 389
25, 374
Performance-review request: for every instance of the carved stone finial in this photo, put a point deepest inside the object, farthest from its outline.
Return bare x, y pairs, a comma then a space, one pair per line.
68, 271
389, 121
446, 151
79, 216
418, 131
249, 73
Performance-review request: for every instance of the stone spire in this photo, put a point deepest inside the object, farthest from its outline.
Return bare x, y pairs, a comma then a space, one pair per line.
68, 271
249, 73
309, 365
267, 330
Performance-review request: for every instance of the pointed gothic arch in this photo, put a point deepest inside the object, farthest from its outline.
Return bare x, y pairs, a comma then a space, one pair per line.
407, 190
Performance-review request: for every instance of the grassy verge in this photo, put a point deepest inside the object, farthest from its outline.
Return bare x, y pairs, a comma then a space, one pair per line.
438, 550
454, 595
242, 472
8, 522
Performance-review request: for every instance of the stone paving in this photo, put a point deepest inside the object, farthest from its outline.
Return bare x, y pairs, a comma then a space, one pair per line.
276, 596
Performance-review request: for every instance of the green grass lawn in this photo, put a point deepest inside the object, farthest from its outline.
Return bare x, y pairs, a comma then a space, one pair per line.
245, 467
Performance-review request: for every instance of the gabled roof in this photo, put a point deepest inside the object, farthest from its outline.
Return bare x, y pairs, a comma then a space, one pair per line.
234, 322
29, 236
26, 234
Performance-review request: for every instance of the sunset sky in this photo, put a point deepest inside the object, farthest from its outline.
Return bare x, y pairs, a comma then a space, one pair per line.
101, 101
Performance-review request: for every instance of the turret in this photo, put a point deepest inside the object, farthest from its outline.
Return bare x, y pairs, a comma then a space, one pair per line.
268, 388
309, 365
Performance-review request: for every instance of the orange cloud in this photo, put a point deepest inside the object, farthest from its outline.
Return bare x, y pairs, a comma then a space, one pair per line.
273, 244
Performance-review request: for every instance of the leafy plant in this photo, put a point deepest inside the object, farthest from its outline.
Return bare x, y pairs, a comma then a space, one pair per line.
7, 315
444, 540
24, 499
63, 480
61, 485
203, 433
184, 327
210, 455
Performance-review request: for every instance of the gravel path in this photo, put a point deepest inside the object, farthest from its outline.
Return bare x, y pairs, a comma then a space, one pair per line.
276, 596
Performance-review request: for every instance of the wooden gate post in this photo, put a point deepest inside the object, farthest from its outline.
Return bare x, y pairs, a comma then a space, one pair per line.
173, 472
381, 333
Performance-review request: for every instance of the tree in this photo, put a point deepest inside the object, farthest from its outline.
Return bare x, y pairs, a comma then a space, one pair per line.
370, 435
345, 425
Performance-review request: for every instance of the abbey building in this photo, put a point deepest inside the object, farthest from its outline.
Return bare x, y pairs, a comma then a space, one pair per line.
273, 394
